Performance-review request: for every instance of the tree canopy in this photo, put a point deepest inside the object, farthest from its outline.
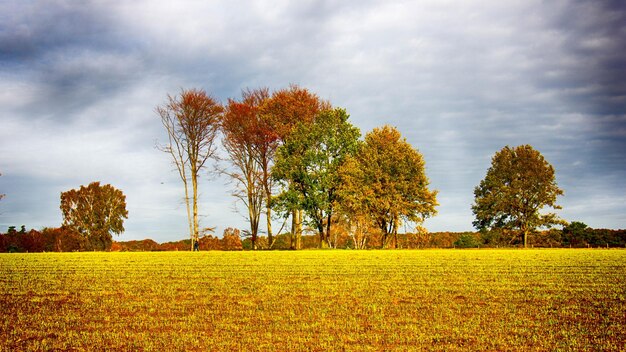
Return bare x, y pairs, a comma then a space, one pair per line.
518, 185
96, 212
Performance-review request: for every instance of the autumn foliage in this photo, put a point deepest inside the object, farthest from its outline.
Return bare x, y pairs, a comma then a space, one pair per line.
95, 212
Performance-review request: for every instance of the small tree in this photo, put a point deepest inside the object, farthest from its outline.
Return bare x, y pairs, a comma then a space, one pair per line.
576, 234
518, 185
231, 240
96, 212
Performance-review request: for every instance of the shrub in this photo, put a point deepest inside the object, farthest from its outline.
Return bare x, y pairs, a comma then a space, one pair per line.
467, 240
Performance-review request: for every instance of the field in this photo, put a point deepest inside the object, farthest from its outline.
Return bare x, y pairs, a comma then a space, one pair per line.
504, 300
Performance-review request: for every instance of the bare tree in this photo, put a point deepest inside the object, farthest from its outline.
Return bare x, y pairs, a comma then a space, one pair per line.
192, 121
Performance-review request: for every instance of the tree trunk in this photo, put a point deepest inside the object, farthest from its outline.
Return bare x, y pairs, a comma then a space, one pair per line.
268, 213
323, 243
299, 228
188, 212
328, 234
525, 238
292, 236
253, 221
395, 235
194, 183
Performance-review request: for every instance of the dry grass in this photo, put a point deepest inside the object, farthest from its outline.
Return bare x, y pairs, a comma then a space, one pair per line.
505, 300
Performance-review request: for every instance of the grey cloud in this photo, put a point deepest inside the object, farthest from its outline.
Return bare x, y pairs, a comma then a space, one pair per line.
594, 37
31, 29
71, 55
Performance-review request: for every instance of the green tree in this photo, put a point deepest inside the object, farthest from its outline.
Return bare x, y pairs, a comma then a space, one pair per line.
386, 180
307, 166
576, 234
286, 109
96, 212
518, 185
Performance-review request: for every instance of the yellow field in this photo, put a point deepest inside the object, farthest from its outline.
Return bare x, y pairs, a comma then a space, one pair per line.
504, 300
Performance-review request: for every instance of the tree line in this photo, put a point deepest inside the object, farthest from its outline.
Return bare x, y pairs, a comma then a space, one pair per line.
575, 235
293, 156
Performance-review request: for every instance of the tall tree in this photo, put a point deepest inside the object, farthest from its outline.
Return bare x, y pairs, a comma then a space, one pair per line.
281, 113
192, 121
243, 139
386, 180
95, 212
519, 183
307, 165
267, 140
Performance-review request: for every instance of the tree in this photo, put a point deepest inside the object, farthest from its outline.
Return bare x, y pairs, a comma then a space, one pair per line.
281, 113
386, 180
191, 121
307, 166
518, 185
244, 138
96, 212
576, 233
231, 240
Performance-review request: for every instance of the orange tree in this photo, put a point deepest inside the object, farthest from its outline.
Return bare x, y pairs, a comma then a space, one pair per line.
244, 138
95, 212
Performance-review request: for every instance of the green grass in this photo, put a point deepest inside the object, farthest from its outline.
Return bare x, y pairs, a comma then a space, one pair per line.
505, 300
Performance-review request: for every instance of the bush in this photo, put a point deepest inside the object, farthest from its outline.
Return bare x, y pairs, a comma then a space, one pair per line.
231, 241
467, 240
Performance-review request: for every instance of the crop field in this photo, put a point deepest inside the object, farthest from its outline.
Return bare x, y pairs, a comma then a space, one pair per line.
496, 300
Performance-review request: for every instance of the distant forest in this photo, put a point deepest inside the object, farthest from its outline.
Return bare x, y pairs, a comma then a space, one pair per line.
575, 235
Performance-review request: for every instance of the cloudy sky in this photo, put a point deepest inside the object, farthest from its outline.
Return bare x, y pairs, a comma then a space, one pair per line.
79, 82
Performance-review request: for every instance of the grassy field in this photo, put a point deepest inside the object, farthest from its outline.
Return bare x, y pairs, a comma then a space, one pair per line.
504, 300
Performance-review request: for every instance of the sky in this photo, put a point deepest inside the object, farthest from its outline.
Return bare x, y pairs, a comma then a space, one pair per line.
80, 81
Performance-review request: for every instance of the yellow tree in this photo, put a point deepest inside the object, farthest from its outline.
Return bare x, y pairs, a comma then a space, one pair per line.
519, 183
191, 120
385, 183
